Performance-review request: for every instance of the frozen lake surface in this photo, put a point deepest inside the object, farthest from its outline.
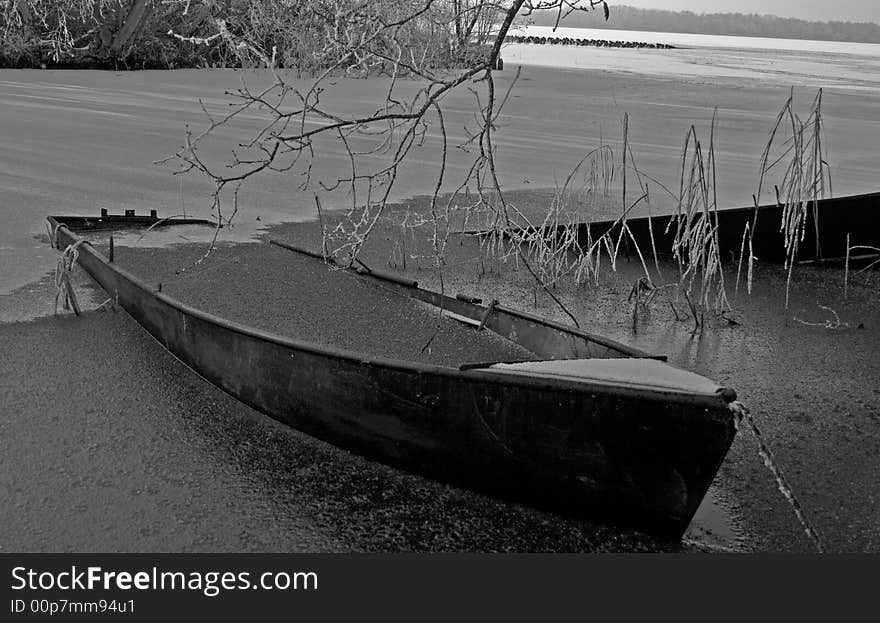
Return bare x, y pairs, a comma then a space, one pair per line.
77, 141
791, 62
692, 40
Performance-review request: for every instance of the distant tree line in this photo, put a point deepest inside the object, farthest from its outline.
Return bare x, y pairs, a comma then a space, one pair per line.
737, 24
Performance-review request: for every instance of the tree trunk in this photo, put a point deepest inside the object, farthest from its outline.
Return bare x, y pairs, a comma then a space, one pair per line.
131, 25
23, 10
24, 13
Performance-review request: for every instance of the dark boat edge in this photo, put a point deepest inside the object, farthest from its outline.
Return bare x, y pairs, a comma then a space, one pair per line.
830, 225
107, 221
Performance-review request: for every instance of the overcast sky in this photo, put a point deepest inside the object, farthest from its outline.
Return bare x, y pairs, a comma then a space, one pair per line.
823, 10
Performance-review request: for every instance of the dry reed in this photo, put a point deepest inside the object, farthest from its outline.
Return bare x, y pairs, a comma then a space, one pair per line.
804, 179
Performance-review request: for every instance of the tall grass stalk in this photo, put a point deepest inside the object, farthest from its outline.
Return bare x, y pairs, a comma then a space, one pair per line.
695, 244
554, 246
805, 177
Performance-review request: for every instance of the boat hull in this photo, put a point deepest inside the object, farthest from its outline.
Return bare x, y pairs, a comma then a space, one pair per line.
635, 458
827, 226
111, 222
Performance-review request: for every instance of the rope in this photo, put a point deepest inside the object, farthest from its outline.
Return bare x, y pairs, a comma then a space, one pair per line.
63, 286
741, 413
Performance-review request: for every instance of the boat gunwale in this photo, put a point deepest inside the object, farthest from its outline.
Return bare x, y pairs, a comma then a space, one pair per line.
593, 387
764, 206
751, 211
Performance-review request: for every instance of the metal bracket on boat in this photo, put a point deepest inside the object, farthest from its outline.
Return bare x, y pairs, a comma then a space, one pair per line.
378, 274
487, 313
363, 269
727, 394
296, 249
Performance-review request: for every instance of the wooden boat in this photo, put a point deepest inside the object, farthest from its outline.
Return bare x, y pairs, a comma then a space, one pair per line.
597, 429
825, 232
128, 220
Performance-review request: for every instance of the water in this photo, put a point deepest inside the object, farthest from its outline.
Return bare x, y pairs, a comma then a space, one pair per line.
77, 141
74, 142
786, 62
690, 40
811, 391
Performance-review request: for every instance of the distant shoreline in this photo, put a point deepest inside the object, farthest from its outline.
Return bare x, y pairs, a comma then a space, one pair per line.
598, 43
691, 40
721, 24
